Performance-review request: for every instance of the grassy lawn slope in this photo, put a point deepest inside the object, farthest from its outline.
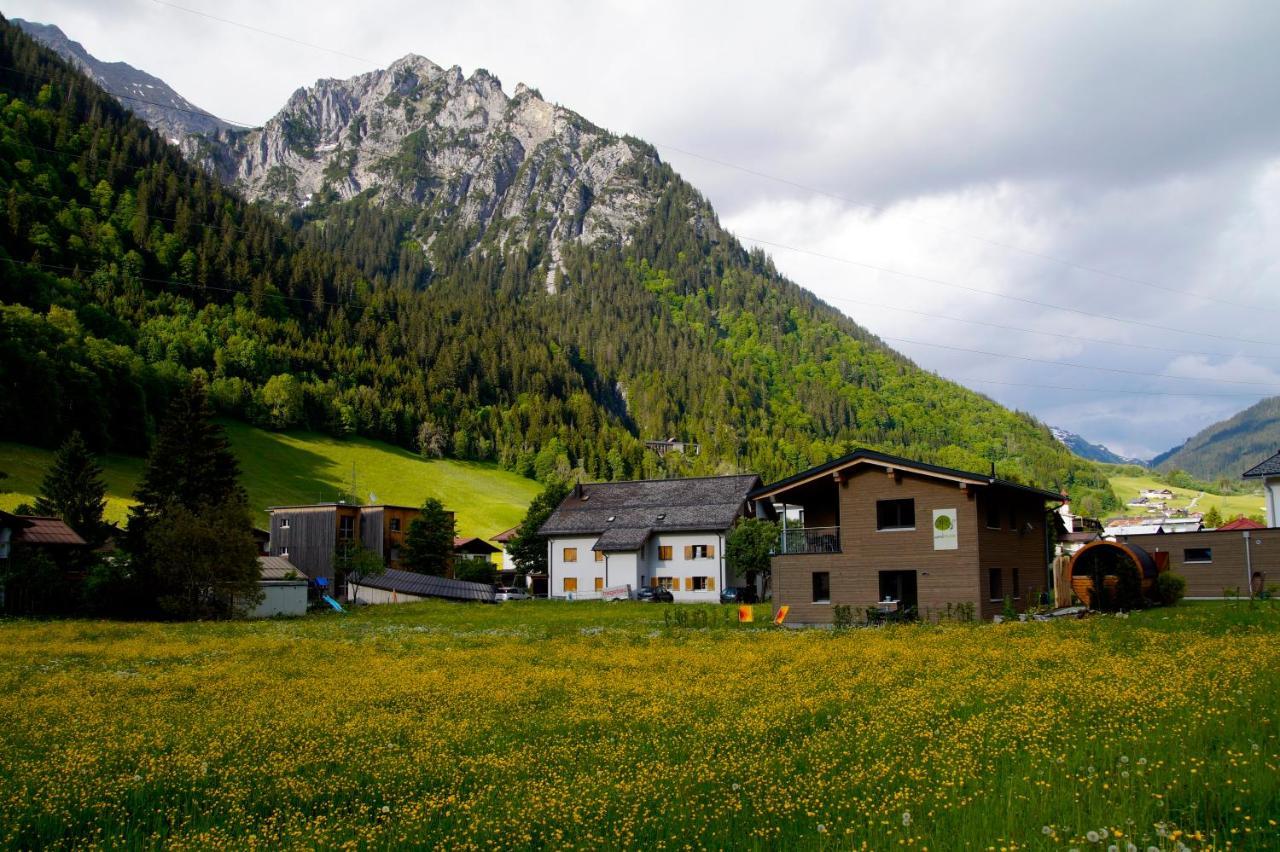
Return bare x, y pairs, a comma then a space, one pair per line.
1128, 486
280, 468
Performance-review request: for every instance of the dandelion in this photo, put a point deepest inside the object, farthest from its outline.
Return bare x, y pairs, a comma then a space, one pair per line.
1142, 761
386, 809
906, 818
1113, 848
1092, 836
822, 829
1046, 831
1131, 847
736, 786
1124, 758
1124, 773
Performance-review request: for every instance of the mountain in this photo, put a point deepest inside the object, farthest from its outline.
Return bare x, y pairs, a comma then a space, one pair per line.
455, 149
150, 98
1230, 447
415, 308
1093, 452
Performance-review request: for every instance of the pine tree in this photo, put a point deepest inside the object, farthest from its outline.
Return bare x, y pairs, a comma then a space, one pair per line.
74, 490
1212, 518
428, 547
190, 534
527, 549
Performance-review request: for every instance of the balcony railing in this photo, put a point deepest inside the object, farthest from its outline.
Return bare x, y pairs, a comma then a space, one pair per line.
809, 540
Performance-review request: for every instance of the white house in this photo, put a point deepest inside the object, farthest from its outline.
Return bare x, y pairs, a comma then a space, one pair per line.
1269, 472
659, 533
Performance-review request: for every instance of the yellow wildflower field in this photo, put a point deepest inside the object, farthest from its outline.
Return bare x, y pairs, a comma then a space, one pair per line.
589, 725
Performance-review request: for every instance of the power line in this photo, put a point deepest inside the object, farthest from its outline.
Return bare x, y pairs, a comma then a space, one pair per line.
877, 209
1073, 366
251, 28
890, 271
1125, 391
880, 209
1021, 299
390, 310
1042, 332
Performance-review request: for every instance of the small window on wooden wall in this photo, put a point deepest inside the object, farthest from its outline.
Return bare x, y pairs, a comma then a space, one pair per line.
995, 584
822, 587
1197, 554
993, 514
895, 514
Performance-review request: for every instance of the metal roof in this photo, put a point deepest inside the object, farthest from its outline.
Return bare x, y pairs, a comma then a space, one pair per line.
40, 530
427, 586
906, 465
1270, 467
279, 568
700, 503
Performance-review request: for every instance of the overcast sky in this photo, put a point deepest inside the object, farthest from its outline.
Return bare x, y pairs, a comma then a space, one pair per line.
1115, 158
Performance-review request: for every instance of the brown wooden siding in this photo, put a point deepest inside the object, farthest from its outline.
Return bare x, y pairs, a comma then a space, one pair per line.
310, 538
1010, 550
1228, 570
942, 576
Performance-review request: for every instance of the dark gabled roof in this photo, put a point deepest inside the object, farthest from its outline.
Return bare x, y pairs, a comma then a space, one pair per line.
1270, 467
279, 568
651, 505
505, 536
426, 586
40, 530
622, 539
905, 464
474, 544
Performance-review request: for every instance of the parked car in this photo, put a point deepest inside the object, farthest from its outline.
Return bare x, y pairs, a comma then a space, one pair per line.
510, 593
648, 593
739, 595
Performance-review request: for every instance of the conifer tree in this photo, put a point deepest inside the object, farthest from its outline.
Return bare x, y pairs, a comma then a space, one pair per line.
428, 547
190, 534
73, 490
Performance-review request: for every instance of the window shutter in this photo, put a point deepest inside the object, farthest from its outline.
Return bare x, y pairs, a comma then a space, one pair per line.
688, 584
711, 551
653, 582
688, 551
711, 584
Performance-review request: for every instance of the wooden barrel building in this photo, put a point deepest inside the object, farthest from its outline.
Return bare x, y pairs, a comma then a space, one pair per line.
1108, 559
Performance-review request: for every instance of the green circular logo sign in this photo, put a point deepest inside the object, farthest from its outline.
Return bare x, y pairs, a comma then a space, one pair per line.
943, 523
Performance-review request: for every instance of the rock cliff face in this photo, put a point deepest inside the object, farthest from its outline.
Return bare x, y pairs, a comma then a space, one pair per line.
456, 149
150, 98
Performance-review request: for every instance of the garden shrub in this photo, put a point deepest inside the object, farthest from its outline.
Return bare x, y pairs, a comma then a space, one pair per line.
1170, 588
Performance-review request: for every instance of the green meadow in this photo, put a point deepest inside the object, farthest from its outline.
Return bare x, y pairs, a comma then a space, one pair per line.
611, 725
281, 468
1128, 486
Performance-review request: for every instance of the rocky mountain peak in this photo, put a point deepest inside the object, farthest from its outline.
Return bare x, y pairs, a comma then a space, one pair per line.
453, 147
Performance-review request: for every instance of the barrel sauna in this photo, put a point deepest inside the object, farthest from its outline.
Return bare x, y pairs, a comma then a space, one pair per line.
1109, 558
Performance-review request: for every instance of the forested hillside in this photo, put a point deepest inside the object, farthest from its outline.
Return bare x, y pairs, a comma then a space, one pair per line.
126, 268
1228, 448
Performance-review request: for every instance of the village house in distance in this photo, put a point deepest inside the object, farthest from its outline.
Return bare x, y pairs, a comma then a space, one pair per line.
310, 535
869, 527
663, 533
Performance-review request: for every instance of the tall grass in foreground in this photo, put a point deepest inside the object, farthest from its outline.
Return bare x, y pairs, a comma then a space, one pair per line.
595, 725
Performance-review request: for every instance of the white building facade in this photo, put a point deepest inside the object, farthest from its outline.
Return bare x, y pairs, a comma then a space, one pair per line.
664, 534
